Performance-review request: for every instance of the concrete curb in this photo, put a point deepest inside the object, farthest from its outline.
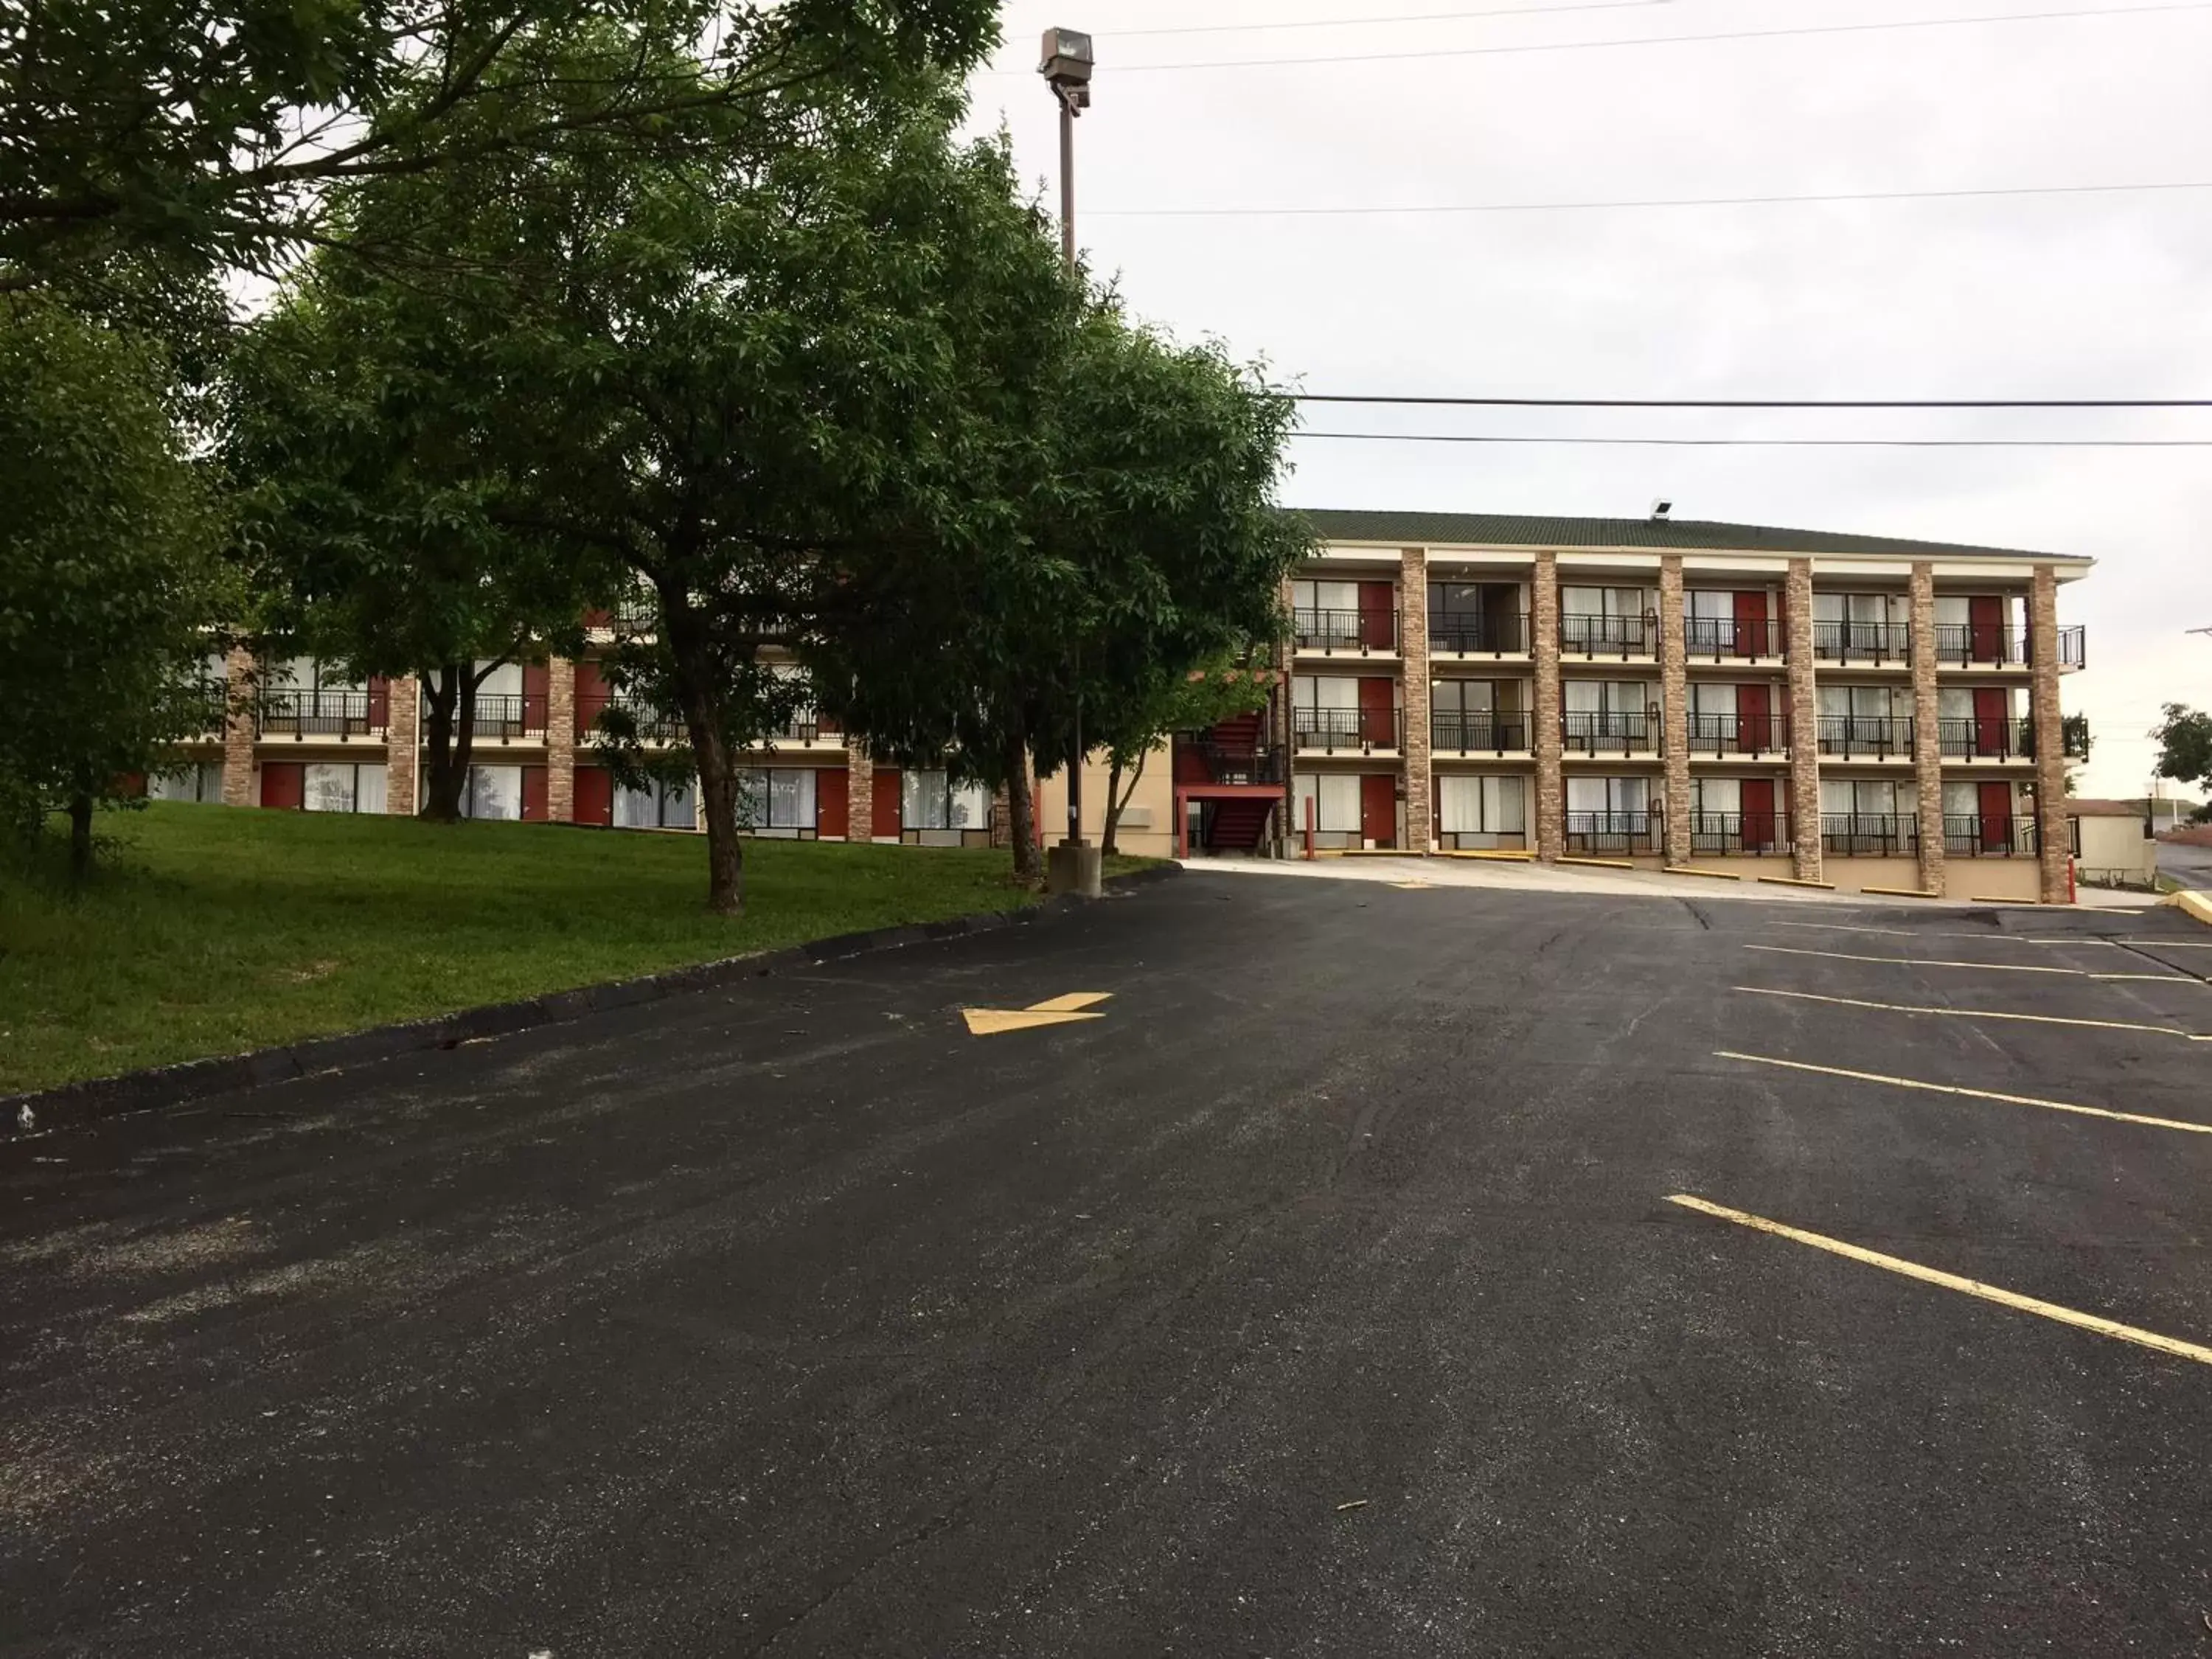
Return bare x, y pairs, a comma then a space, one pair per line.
2196, 906
75, 1104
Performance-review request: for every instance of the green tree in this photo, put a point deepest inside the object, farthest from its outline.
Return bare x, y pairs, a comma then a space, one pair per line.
1187, 700
2185, 745
110, 569
211, 130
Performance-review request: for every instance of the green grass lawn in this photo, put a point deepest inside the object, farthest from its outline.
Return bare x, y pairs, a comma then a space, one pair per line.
210, 930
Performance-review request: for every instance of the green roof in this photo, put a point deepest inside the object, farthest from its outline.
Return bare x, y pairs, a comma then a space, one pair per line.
1667, 535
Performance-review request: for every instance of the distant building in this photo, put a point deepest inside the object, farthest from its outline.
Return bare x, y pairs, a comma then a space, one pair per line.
2112, 843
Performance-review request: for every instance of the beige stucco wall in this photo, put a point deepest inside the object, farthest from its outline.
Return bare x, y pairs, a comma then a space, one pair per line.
2118, 844
1147, 823
2014, 880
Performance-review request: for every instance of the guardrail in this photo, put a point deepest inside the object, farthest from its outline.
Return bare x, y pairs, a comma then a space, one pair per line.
1586, 634
1479, 734
508, 716
1356, 632
653, 724
1989, 837
1862, 642
1749, 833
1738, 734
1617, 733
1358, 730
1722, 637
1871, 835
1494, 634
1866, 737
320, 713
1611, 834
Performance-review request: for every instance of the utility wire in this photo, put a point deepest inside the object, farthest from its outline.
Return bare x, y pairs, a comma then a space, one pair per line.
1780, 443
1410, 17
1756, 403
1648, 40
1669, 201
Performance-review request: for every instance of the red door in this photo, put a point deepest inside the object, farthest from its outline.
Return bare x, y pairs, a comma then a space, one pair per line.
1985, 618
1760, 832
537, 679
379, 702
1377, 629
886, 820
1751, 639
1754, 718
1376, 726
591, 695
534, 795
1378, 809
833, 814
284, 783
1992, 711
595, 796
1997, 817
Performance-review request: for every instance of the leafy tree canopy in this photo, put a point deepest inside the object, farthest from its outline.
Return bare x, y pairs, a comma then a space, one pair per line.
2185, 744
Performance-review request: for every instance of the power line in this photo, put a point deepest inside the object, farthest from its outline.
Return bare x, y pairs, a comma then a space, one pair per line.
1410, 17
1754, 403
1780, 443
1668, 201
1652, 41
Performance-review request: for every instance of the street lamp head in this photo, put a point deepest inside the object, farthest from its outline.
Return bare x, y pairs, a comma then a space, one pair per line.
1066, 64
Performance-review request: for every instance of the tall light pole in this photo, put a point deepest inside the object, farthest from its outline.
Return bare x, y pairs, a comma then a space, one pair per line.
1066, 64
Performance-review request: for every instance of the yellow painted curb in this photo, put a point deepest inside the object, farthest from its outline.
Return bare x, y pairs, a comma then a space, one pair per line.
1601, 864
1710, 875
1502, 856
2010, 903
1792, 881
1901, 893
2197, 906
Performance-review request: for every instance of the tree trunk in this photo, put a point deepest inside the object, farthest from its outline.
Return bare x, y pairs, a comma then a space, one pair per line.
694, 685
80, 823
1021, 807
443, 781
1117, 799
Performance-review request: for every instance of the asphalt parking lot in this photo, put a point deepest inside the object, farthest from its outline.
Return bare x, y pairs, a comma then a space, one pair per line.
1307, 1275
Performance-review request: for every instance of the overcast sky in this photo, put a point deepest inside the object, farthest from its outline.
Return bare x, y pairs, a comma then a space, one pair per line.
2060, 296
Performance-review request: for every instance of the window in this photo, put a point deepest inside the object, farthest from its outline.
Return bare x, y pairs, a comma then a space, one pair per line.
1717, 798
348, 788
777, 801
931, 801
1475, 616
659, 806
1708, 698
1335, 796
1478, 697
201, 783
494, 792
1866, 797
1613, 698
1325, 596
1488, 807
1609, 796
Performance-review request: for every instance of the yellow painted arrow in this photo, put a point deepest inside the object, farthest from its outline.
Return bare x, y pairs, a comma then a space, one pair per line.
1053, 1011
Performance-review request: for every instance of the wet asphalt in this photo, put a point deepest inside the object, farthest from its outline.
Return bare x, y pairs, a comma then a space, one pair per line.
1321, 1297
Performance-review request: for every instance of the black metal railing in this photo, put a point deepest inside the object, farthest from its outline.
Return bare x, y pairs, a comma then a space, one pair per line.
1356, 729
1747, 832
1996, 737
1862, 642
213, 698
1867, 737
640, 614
1615, 733
803, 727
1228, 765
1738, 734
1493, 634
1584, 633
1720, 637
2073, 646
1989, 645
1479, 733
1611, 834
324, 713
506, 716
1352, 631
1871, 835
651, 724
1983, 837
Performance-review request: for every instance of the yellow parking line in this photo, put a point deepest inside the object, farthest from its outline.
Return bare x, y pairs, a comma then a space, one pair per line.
1972, 1013
1972, 1288
1971, 1094
1921, 962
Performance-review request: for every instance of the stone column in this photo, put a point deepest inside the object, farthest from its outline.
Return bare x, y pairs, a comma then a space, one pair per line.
1551, 806
2053, 841
1675, 704
1928, 731
1002, 818
1413, 651
561, 740
860, 793
403, 749
1804, 728
239, 729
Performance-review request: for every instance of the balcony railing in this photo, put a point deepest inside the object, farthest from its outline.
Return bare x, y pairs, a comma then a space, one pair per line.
1611, 834
324, 713
1994, 645
1496, 634
806, 728
1722, 637
1862, 642
1738, 734
1226, 765
2073, 646
1618, 733
1584, 633
1866, 737
1871, 835
1354, 730
653, 724
1996, 738
213, 697
508, 716
1358, 632
1747, 832
1990, 837
1479, 734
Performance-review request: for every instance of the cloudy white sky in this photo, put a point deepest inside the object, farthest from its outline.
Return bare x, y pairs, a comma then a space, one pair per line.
2059, 296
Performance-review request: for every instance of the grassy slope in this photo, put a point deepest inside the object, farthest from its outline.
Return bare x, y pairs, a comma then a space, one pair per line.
213, 930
